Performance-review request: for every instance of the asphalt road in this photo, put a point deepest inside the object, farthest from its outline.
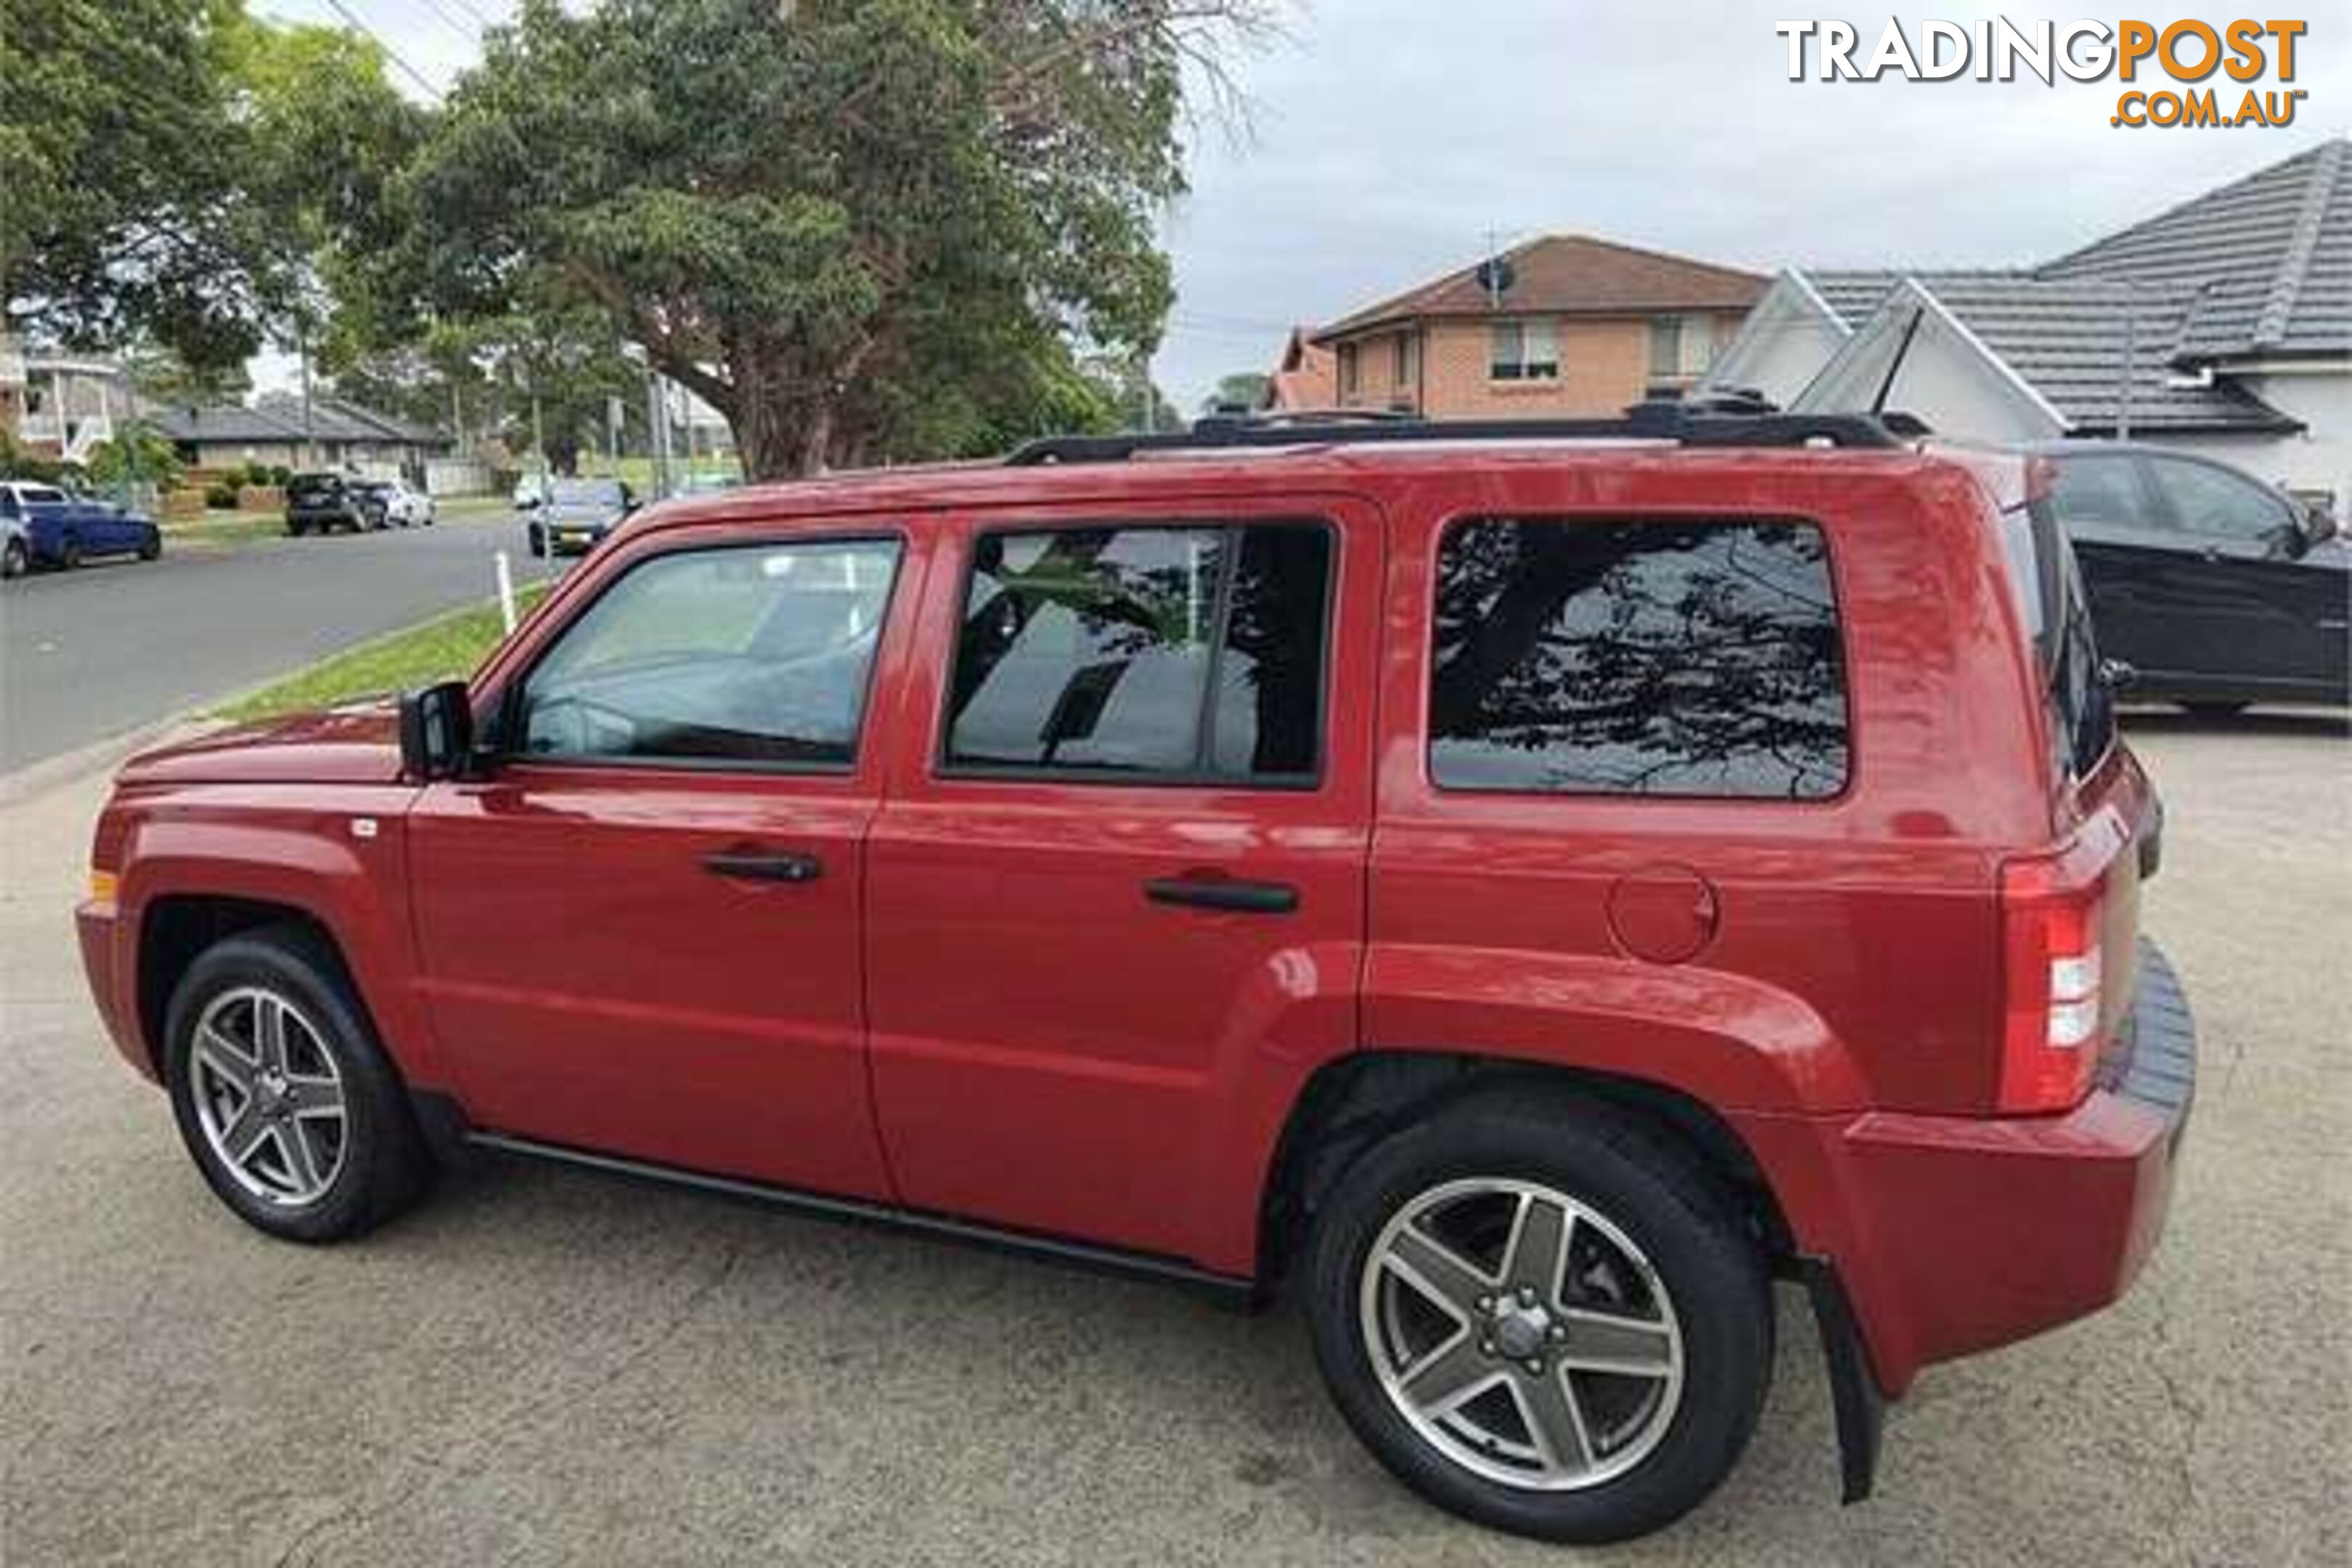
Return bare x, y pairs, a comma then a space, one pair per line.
115, 646
546, 1367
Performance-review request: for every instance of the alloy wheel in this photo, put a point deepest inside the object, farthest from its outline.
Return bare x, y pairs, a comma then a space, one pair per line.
1521, 1334
269, 1097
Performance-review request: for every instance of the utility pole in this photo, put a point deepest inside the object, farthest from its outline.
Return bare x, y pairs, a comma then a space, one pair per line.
309, 426
539, 442
656, 431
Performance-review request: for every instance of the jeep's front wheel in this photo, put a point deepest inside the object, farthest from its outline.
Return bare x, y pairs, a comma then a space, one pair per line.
291, 1110
1543, 1318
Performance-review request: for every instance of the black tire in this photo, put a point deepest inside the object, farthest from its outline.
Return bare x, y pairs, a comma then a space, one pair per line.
295, 530
383, 1165
14, 558
537, 541
69, 552
1656, 1195
152, 547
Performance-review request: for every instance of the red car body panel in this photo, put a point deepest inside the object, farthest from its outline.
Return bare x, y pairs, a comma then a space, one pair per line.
974, 1010
1056, 1053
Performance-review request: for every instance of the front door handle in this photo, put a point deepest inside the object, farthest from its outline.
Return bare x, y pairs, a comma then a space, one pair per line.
763, 865
1224, 893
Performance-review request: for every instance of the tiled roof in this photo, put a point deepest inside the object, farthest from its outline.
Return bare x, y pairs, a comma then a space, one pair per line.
2274, 252
331, 419
2068, 338
1570, 274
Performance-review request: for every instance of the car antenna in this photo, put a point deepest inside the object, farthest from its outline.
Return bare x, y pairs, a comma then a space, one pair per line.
1878, 403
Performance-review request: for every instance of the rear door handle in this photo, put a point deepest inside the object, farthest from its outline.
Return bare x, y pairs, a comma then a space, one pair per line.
763, 866
1224, 893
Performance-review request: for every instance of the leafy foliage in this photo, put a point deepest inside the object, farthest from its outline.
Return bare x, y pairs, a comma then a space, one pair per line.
862, 229
1237, 393
139, 453
180, 174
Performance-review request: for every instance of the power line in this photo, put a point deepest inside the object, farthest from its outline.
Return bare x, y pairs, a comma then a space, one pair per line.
450, 21
352, 18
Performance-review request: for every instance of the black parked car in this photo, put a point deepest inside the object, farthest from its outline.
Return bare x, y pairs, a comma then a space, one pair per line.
577, 514
321, 503
2218, 590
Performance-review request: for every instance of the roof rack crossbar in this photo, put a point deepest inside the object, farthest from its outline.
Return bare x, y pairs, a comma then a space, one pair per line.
1692, 427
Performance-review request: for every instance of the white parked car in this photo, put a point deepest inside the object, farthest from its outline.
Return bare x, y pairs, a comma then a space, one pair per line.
398, 505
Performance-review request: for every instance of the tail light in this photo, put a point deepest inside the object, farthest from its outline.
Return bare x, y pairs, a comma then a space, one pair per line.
2053, 976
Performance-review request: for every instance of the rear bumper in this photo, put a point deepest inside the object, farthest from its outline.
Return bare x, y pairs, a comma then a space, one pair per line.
1953, 1235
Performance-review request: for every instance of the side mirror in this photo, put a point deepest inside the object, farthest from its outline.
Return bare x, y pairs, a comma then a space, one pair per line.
437, 732
2319, 525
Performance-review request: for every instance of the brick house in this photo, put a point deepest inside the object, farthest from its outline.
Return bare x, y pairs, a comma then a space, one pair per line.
1565, 325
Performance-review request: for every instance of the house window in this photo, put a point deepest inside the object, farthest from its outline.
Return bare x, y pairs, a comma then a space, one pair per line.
1347, 370
1524, 351
1404, 363
1665, 347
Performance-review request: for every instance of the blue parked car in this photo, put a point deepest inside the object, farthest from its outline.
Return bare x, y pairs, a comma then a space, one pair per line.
63, 530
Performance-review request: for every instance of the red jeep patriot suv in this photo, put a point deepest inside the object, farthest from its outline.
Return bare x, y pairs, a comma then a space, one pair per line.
1529, 887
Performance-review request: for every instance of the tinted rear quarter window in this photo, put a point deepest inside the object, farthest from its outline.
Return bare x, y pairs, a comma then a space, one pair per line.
1623, 658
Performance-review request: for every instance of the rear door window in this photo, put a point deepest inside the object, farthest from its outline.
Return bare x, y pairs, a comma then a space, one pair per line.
1156, 654
2220, 504
1622, 657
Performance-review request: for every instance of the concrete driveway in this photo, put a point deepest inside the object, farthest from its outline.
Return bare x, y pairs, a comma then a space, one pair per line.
114, 646
546, 1367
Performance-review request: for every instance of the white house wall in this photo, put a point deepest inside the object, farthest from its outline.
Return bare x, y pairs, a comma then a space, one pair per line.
1945, 377
1783, 343
2318, 459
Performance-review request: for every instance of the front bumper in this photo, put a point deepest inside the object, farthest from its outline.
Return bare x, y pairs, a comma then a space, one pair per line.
111, 973
1953, 1235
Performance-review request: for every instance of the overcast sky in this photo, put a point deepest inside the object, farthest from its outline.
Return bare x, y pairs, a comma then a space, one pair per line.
1391, 136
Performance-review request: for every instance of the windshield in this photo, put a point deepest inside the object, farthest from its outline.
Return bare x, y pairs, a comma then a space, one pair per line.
585, 493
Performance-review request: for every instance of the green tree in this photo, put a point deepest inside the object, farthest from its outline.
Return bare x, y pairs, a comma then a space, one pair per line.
861, 229
140, 454
125, 210
182, 175
1240, 392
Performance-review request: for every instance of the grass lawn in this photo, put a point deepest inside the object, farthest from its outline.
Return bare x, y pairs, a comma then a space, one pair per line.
224, 528
447, 648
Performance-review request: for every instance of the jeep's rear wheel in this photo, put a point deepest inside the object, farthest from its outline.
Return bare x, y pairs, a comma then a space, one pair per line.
289, 1108
1543, 1318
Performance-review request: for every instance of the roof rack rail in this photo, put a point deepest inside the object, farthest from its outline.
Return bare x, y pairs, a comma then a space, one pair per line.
1728, 422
